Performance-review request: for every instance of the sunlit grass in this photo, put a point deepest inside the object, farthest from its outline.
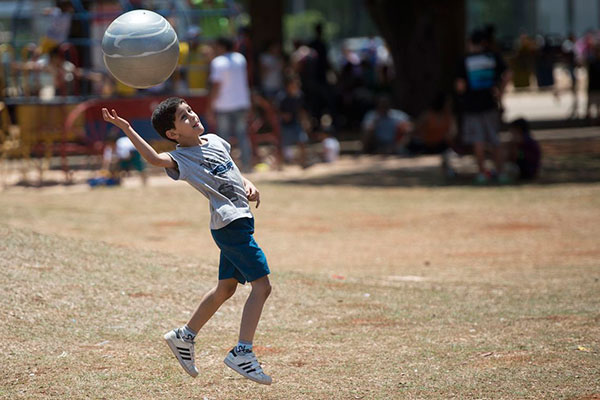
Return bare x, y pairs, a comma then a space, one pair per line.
379, 293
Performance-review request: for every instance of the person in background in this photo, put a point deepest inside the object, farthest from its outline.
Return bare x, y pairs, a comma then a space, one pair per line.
229, 98
330, 146
593, 66
291, 109
524, 150
569, 58
57, 75
243, 45
482, 78
120, 157
59, 20
194, 59
271, 71
385, 129
435, 131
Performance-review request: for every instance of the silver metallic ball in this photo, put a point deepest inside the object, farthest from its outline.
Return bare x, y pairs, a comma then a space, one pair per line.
140, 48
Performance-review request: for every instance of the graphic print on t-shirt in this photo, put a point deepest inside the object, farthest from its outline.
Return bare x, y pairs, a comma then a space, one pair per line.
217, 165
228, 191
481, 70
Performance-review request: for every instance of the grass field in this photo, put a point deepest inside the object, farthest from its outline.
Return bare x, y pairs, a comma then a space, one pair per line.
378, 293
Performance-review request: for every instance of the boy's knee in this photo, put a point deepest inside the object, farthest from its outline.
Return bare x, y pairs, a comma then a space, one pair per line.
225, 291
268, 289
263, 287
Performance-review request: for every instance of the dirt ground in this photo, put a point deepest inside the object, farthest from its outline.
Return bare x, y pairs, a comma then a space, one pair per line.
389, 282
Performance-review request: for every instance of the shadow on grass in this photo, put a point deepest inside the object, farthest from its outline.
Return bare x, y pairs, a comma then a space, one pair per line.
555, 170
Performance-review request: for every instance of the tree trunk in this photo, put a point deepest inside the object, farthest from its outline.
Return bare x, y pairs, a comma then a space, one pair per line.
267, 25
426, 39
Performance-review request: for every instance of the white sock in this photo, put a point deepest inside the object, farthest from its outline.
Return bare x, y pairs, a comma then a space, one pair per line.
243, 347
187, 333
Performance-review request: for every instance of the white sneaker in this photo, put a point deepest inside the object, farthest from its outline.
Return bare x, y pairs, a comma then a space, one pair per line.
183, 350
246, 364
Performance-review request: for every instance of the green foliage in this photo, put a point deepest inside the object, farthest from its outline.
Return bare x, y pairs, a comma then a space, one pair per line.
482, 12
301, 25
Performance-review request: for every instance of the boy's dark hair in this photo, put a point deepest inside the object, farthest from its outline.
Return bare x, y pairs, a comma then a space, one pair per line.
163, 117
226, 43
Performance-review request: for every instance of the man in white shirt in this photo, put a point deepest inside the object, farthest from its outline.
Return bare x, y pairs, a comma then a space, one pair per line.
229, 98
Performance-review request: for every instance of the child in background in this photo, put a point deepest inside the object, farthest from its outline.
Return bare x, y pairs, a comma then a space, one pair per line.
524, 150
293, 134
330, 146
204, 161
120, 156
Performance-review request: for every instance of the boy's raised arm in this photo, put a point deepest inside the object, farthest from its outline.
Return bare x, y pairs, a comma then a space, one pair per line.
149, 154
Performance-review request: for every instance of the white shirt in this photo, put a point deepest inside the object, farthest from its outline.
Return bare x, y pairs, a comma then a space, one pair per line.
123, 149
231, 72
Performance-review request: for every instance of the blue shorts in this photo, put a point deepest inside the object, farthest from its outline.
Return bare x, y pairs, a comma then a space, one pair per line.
241, 258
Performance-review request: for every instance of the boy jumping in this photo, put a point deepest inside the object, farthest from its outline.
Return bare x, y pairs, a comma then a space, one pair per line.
203, 160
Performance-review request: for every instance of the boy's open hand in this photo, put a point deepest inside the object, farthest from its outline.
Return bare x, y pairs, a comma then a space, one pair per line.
252, 192
114, 119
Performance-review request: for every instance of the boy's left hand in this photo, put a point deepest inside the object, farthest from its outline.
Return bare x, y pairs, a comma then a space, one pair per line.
252, 192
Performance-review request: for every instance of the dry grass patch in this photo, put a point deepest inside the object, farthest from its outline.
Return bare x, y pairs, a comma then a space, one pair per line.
427, 293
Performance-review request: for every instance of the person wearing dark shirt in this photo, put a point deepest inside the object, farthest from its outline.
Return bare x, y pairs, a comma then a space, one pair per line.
524, 150
318, 44
482, 77
291, 108
594, 83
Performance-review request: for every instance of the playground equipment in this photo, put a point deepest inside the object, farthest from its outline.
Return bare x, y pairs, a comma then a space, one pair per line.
85, 131
64, 120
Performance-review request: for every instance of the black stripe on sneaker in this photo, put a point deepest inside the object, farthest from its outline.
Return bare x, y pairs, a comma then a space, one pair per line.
244, 364
252, 370
182, 348
186, 358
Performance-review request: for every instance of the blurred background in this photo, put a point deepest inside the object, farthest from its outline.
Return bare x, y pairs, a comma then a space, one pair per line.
334, 70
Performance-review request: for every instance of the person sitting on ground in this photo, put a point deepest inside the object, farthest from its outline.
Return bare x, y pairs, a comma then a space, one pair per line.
330, 146
524, 150
291, 108
435, 133
434, 128
120, 156
385, 129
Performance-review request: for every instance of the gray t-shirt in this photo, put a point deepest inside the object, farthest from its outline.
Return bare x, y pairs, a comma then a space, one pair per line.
210, 170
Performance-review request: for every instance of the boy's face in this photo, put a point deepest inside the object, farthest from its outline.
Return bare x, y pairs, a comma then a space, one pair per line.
187, 125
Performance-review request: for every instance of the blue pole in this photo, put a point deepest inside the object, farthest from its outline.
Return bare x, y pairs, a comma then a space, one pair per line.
14, 23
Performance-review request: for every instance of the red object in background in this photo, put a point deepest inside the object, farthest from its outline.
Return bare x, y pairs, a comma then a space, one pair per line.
263, 126
137, 110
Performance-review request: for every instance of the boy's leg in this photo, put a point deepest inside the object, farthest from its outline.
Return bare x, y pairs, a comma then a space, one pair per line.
241, 358
261, 288
211, 302
181, 340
